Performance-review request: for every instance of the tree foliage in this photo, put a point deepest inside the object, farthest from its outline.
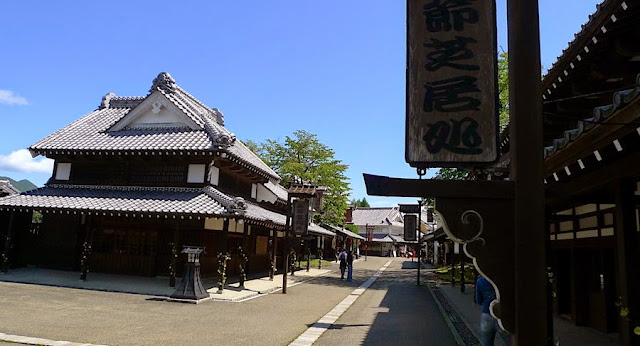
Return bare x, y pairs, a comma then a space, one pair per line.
353, 228
302, 156
503, 88
450, 174
361, 203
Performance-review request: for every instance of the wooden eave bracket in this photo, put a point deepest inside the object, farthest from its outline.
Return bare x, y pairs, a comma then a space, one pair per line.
478, 214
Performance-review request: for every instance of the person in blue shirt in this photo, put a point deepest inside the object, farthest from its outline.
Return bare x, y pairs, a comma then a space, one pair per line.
485, 294
350, 264
343, 263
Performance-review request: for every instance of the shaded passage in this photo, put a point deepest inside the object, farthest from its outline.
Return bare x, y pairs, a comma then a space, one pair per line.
395, 312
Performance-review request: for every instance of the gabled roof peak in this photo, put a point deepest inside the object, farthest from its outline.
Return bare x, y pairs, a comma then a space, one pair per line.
165, 82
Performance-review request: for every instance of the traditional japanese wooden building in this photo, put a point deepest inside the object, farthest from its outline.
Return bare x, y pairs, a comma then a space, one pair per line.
7, 189
591, 105
138, 178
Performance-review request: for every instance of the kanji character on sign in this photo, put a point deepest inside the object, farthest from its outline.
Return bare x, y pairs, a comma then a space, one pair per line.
446, 95
445, 53
442, 15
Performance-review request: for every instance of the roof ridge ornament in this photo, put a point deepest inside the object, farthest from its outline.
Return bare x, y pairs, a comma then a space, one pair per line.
164, 82
106, 99
224, 140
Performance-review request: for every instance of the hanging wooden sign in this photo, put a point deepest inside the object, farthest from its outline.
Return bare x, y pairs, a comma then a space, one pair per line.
410, 227
452, 88
300, 216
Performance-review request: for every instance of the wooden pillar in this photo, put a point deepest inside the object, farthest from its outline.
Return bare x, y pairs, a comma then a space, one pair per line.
225, 236
7, 244
285, 248
86, 246
462, 282
628, 255
530, 282
174, 256
452, 257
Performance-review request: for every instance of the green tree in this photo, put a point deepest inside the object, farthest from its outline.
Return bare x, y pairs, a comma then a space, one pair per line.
253, 146
353, 228
302, 156
361, 203
450, 174
503, 88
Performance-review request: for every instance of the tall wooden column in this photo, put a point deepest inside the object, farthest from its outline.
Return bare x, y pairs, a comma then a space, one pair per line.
526, 172
285, 248
628, 255
4, 263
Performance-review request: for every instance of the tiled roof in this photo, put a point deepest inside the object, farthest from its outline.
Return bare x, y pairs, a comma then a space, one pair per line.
258, 213
116, 199
346, 232
382, 238
600, 114
313, 228
93, 131
123, 199
374, 216
7, 189
277, 189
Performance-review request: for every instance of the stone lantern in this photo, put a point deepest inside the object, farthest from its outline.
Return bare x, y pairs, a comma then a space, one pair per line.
191, 286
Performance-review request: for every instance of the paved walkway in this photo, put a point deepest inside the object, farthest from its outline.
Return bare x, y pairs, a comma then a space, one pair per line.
155, 286
88, 316
565, 332
392, 311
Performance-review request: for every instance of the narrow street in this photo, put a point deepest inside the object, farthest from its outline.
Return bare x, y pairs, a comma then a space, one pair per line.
391, 311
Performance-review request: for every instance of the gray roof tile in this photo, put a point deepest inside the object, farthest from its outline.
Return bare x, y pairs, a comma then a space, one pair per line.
7, 189
91, 132
120, 199
374, 216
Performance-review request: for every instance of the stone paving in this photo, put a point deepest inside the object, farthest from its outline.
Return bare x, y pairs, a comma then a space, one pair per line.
152, 285
565, 332
111, 318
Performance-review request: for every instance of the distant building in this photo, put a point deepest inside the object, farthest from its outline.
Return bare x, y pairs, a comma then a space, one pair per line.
386, 225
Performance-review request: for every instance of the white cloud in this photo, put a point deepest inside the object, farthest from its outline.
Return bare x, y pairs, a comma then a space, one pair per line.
21, 161
9, 98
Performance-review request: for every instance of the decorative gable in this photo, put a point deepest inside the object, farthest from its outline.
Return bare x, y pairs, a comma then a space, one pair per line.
155, 112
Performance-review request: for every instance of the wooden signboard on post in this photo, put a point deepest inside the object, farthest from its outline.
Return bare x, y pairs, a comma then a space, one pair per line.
300, 216
452, 88
410, 227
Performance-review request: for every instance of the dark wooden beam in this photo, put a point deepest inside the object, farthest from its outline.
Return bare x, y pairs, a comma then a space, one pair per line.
594, 139
385, 186
625, 167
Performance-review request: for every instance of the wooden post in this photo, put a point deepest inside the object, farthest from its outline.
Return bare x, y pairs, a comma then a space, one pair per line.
628, 255
225, 235
526, 172
419, 249
452, 256
285, 248
174, 256
7, 245
462, 282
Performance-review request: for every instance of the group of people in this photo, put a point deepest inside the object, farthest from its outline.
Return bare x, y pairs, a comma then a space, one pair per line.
346, 262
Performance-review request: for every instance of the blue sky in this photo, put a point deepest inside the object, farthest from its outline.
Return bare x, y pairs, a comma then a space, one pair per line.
334, 68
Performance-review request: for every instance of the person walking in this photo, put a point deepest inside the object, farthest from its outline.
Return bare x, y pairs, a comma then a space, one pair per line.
342, 257
485, 294
350, 264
